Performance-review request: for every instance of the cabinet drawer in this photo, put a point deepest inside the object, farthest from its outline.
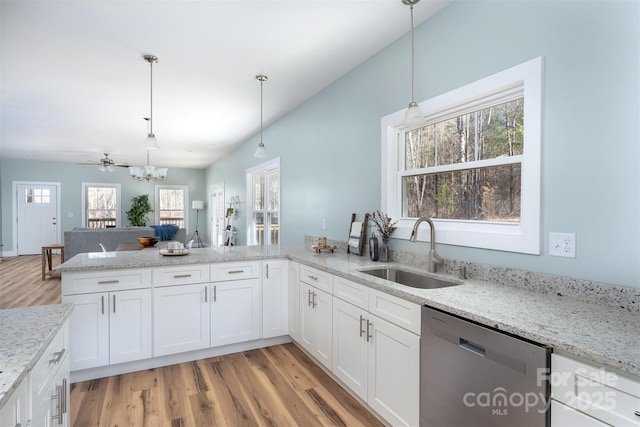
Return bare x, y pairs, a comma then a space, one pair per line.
182, 275
396, 310
114, 280
599, 393
47, 366
351, 292
316, 278
222, 272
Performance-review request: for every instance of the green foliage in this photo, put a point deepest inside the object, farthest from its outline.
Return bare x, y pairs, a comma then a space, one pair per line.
140, 208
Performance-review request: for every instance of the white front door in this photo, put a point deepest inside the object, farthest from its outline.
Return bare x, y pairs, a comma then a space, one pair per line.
37, 217
217, 214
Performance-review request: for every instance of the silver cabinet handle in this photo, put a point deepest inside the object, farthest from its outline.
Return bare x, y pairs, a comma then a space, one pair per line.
206, 291
309, 298
58, 397
369, 325
102, 298
314, 300
57, 356
267, 270
361, 328
313, 277
181, 276
64, 397
215, 293
236, 271
108, 282
114, 303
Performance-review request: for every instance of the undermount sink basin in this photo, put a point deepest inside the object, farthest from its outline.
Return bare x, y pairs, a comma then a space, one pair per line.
409, 279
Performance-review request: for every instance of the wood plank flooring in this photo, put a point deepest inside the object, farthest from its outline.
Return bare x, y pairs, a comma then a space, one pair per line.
274, 386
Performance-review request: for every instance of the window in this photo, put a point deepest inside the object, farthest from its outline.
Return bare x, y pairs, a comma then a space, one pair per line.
101, 204
37, 195
263, 195
473, 166
171, 201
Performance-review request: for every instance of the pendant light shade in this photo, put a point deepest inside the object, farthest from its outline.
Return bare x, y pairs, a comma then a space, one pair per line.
413, 116
261, 152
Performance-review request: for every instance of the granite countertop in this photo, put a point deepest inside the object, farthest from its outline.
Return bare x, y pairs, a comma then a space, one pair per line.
25, 334
596, 332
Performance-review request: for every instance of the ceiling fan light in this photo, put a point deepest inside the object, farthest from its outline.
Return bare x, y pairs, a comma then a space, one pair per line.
109, 168
261, 152
413, 116
102, 168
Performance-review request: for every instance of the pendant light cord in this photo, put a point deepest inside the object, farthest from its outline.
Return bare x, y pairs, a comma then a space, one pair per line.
261, 84
151, 102
412, 58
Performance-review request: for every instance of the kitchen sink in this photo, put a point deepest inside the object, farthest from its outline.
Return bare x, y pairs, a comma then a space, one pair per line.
408, 278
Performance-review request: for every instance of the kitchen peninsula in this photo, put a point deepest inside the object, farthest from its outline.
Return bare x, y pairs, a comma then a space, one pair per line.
595, 331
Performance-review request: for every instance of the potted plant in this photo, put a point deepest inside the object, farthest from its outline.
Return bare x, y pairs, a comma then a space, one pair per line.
140, 208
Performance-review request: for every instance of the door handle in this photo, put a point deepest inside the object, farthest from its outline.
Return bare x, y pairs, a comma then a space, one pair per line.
102, 304
314, 300
114, 303
361, 328
215, 293
369, 325
309, 298
205, 293
267, 270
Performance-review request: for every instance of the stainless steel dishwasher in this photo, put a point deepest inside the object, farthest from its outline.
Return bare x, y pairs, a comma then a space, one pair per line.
472, 375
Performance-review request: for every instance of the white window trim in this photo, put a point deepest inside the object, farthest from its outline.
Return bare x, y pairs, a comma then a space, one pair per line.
187, 206
523, 237
102, 184
271, 164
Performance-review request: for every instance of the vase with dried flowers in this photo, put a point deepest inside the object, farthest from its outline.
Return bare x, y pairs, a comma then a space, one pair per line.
385, 227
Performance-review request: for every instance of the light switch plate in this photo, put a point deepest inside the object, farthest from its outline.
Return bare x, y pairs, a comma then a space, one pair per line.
562, 244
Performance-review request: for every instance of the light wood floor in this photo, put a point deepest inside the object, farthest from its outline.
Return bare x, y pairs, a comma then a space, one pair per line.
275, 386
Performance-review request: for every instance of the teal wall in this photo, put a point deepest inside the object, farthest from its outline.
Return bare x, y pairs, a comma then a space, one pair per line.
330, 146
71, 176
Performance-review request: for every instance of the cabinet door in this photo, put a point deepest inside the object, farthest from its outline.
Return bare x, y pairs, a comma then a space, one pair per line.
89, 330
235, 311
315, 323
294, 301
275, 299
394, 367
565, 416
15, 410
130, 325
55, 407
181, 319
350, 346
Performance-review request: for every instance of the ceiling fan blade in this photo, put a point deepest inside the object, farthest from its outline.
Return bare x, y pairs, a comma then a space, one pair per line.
121, 165
90, 163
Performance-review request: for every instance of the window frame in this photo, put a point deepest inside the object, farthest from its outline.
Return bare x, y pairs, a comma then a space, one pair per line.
522, 237
265, 167
156, 205
118, 187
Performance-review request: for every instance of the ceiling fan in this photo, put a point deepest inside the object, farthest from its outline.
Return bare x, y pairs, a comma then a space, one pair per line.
105, 164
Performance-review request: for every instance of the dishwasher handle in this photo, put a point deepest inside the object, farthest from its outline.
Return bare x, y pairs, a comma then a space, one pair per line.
472, 347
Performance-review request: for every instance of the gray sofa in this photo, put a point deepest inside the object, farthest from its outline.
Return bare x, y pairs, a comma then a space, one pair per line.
81, 240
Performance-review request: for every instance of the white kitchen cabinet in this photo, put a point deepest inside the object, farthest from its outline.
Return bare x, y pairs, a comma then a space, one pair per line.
235, 311
394, 372
376, 359
316, 314
350, 346
275, 298
110, 327
15, 411
585, 394
55, 406
89, 334
294, 300
181, 318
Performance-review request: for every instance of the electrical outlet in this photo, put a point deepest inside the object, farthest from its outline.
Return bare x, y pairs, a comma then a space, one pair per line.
562, 244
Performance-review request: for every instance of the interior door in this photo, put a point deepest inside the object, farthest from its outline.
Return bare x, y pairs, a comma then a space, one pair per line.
37, 221
217, 214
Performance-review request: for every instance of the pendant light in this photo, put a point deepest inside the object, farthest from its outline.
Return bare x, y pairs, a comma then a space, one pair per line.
413, 115
149, 172
150, 142
261, 152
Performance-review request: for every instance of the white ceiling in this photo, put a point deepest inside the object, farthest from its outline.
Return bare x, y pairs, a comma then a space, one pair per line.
74, 84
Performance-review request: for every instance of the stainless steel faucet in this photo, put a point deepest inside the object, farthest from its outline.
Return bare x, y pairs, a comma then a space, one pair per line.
434, 258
